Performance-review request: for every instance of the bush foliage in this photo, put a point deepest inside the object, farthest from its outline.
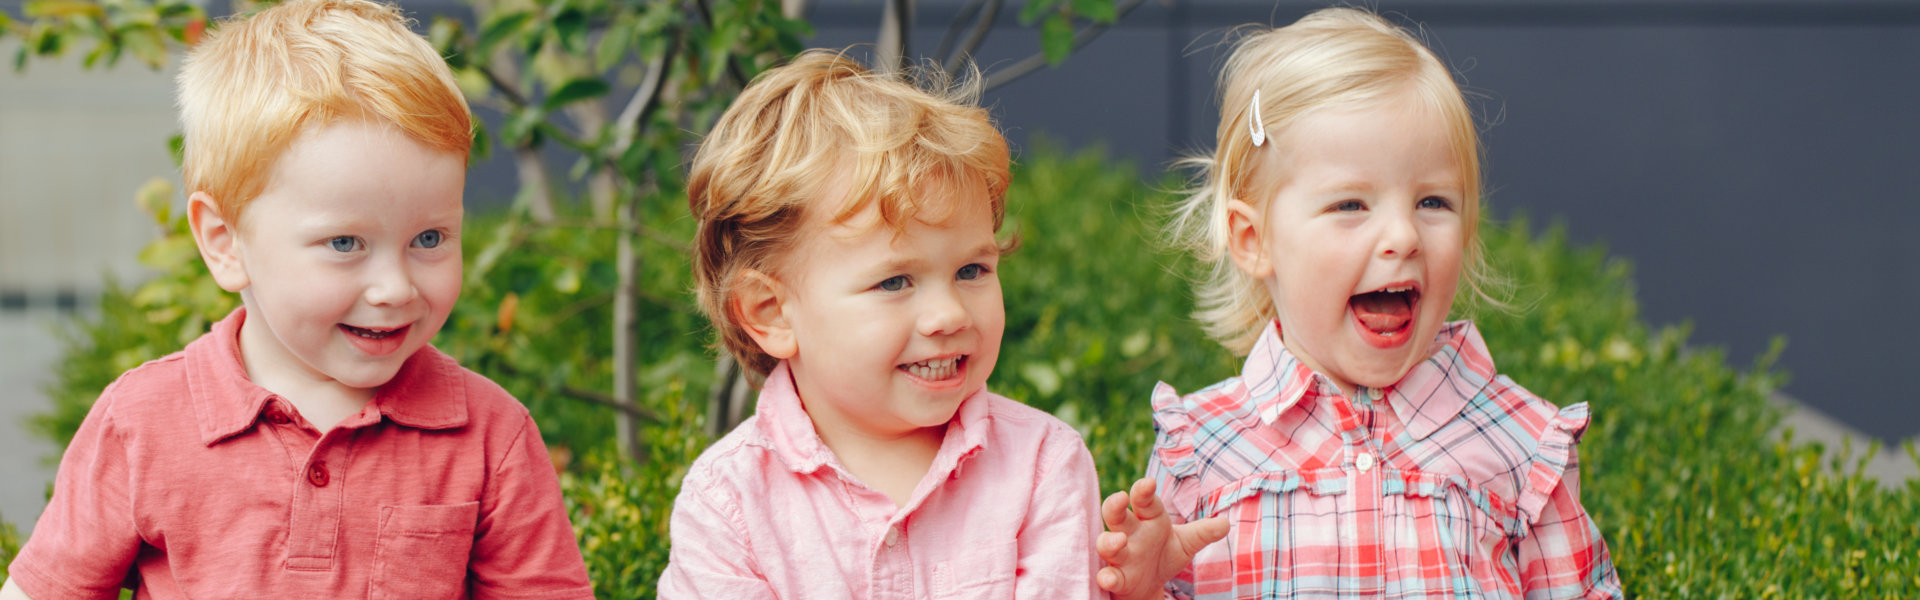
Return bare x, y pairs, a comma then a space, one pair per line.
1695, 495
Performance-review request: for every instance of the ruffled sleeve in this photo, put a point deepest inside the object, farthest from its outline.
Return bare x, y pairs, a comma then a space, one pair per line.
1173, 455
1562, 554
1552, 459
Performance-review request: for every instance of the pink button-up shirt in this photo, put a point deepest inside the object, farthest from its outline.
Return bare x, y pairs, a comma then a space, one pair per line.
191, 481
1008, 510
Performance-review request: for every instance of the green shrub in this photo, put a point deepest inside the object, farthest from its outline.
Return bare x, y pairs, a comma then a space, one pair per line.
9, 546
1695, 497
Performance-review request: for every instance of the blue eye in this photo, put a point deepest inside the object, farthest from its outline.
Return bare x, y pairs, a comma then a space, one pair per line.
1348, 206
1435, 202
344, 243
971, 272
894, 283
428, 239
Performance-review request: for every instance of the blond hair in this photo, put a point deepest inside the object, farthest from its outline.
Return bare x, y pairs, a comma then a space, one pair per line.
255, 84
1332, 57
823, 118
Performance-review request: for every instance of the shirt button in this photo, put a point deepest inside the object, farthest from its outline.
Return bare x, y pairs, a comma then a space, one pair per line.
893, 536
1364, 462
1374, 393
317, 474
276, 417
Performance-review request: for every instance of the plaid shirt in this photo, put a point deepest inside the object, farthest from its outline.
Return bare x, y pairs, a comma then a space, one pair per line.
1453, 483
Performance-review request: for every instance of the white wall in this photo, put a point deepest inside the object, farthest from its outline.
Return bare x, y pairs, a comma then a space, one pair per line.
75, 145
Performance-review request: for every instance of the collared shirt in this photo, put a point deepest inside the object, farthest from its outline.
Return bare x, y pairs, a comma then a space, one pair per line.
1008, 510
1453, 483
192, 482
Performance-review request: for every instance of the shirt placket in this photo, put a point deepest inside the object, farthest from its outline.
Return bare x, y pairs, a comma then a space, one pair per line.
1364, 554
318, 499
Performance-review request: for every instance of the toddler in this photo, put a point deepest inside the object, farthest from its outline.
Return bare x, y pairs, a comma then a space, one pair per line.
313, 445
847, 252
1368, 448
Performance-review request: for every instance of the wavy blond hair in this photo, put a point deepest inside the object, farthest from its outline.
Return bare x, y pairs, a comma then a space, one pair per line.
801, 126
256, 83
1335, 57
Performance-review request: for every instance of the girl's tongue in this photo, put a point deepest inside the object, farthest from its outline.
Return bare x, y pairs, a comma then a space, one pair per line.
1383, 312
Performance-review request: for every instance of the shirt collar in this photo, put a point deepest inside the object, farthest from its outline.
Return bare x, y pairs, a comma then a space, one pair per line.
783, 421
426, 393
1431, 393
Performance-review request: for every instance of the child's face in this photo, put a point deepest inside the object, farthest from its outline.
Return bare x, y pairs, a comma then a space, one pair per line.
1361, 241
349, 262
894, 330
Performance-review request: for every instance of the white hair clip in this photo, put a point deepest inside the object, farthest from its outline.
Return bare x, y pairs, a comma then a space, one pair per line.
1255, 125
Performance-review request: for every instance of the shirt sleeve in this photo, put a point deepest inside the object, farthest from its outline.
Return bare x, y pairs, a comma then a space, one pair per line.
1172, 467
1056, 541
85, 542
1564, 556
524, 546
710, 556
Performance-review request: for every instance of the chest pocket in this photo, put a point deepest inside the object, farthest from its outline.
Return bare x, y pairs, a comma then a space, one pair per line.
422, 551
1331, 533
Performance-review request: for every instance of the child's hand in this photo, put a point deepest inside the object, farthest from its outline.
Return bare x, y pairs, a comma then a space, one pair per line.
1142, 547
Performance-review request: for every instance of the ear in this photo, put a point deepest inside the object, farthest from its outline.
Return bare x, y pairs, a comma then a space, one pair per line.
219, 242
1244, 244
759, 301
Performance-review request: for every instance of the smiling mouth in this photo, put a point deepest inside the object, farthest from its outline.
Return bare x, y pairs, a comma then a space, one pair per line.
938, 369
372, 334
1386, 312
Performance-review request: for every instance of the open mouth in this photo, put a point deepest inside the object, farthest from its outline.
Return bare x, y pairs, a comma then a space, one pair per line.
376, 341
371, 334
1386, 313
937, 369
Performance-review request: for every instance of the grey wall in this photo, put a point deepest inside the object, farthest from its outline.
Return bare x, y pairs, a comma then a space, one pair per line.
1753, 159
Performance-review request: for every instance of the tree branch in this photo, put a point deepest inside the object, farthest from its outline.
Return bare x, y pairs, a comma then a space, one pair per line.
588, 396
987, 10
733, 68
501, 85
1033, 63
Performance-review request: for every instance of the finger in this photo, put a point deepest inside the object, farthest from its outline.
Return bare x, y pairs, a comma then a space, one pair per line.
1198, 534
1110, 579
1113, 510
1109, 545
1146, 504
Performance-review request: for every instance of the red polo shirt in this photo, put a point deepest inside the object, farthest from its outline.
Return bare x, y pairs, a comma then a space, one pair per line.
190, 481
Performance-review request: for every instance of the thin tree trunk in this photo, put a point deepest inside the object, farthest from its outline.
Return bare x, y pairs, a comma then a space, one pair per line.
626, 318
894, 45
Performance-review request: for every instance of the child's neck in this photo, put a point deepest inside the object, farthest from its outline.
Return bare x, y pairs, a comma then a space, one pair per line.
891, 465
323, 402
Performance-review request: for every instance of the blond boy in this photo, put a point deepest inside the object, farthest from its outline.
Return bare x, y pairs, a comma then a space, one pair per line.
313, 445
848, 252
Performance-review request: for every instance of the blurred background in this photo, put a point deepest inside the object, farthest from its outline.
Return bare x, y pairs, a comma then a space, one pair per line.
1753, 159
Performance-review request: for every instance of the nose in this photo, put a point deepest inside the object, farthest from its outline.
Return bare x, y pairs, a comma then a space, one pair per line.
942, 312
390, 282
1399, 236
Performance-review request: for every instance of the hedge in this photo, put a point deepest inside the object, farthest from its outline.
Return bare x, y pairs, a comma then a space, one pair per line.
1696, 494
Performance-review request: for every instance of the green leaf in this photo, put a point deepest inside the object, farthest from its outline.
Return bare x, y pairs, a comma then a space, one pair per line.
614, 45
570, 26
499, 28
156, 197
50, 9
177, 149
575, 91
1098, 11
1056, 38
148, 45
447, 36
520, 129
1034, 8
482, 144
